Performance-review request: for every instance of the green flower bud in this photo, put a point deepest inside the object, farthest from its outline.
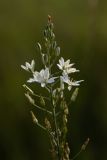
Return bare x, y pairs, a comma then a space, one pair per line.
74, 94
57, 51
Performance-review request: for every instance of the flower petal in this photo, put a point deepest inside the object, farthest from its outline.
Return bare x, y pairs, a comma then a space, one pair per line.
60, 67
51, 80
24, 67
46, 74
32, 65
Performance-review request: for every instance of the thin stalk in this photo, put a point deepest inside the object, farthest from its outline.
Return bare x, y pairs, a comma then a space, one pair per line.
36, 95
38, 124
43, 109
56, 127
77, 155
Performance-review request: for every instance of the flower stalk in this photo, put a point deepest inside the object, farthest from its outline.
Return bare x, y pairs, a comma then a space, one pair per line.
54, 104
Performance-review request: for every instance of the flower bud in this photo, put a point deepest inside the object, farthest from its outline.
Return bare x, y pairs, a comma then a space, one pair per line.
57, 51
66, 110
35, 120
85, 144
31, 100
28, 89
47, 123
74, 94
39, 46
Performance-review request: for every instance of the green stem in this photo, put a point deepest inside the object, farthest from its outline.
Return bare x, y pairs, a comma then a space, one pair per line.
43, 109
56, 127
36, 95
76, 155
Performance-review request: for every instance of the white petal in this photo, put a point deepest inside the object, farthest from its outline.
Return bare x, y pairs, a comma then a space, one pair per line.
51, 80
24, 67
39, 78
61, 61
60, 67
42, 72
31, 80
70, 65
75, 84
32, 65
65, 78
27, 65
46, 73
67, 62
72, 70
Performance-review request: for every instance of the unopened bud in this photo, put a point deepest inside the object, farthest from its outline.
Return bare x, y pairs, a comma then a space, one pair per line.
66, 110
67, 149
28, 89
74, 94
47, 123
57, 51
65, 118
44, 58
85, 144
54, 93
35, 120
39, 46
31, 100
49, 18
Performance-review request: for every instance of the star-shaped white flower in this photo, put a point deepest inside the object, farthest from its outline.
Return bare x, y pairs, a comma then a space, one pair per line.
42, 77
73, 83
66, 67
70, 83
28, 66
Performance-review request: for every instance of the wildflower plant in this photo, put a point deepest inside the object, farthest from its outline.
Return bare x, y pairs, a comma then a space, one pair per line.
55, 84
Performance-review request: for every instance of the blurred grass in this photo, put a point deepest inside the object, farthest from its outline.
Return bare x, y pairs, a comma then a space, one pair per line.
81, 31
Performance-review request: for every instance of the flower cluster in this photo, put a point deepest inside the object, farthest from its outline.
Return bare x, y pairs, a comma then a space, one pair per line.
56, 84
44, 77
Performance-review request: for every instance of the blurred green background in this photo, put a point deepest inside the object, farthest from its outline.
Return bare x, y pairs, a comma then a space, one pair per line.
81, 32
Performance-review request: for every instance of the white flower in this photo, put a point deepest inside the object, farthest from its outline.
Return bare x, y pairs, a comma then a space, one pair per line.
42, 77
65, 78
65, 66
73, 83
70, 83
28, 66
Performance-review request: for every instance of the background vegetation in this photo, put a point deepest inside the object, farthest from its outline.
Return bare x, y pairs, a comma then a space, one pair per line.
81, 31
